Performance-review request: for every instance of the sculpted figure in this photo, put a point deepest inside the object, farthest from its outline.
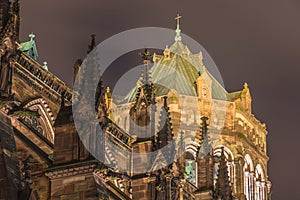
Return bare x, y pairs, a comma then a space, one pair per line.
6, 49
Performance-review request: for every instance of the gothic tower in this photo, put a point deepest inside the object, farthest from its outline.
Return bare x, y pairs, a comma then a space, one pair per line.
203, 142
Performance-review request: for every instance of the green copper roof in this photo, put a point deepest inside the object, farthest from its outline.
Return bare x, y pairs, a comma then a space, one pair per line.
180, 73
234, 95
29, 47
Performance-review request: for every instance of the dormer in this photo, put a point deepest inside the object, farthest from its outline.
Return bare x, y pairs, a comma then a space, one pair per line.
199, 56
167, 54
203, 85
186, 52
242, 99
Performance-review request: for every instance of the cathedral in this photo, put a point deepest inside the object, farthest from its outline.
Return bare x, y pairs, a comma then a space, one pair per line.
178, 134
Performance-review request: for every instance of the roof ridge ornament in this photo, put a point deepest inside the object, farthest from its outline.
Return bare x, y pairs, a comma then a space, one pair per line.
32, 36
178, 31
45, 65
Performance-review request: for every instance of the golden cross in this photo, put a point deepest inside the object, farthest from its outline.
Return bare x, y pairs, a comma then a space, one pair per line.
178, 18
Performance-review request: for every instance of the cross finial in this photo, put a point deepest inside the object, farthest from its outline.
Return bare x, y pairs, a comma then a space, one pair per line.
32, 36
178, 31
178, 17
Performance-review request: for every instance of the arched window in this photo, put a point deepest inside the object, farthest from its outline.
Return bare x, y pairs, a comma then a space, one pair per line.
191, 168
260, 183
191, 164
230, 163
248, 178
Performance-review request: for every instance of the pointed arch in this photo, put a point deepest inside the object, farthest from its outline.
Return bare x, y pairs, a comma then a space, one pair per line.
259, 173
192, 148
230, 162
260, 183
44, 124
249, 163
191, 168
249, 182
228, 153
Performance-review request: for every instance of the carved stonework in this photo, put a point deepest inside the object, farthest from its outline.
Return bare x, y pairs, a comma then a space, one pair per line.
6, 49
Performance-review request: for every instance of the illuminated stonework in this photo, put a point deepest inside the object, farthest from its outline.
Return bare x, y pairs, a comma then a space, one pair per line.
43, 157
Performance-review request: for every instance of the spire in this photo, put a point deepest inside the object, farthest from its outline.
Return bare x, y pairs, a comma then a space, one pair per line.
223, 189
164, 138
146, 87
204, 126
99, 96
146, 56
165, 135
178, 31
181, 147
205, 147
181, 150
100, 105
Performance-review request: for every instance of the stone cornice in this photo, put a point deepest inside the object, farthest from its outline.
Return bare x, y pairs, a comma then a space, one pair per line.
71, 170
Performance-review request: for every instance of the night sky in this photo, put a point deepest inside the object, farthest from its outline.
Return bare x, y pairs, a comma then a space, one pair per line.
254, 41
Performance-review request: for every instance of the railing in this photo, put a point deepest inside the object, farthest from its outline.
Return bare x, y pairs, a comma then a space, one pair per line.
120, 134
46, 77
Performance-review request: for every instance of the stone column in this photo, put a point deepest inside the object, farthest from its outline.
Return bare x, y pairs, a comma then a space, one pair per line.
239, 179
247, 185
257, 192
252, 186
264, 190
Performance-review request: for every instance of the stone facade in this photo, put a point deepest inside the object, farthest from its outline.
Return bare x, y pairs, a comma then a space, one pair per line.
205, 142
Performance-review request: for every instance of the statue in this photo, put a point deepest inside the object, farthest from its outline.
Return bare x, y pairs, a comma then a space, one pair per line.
6, 49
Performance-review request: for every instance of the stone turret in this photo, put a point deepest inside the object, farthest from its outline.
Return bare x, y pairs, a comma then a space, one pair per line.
142, 113
165, 134
204, 158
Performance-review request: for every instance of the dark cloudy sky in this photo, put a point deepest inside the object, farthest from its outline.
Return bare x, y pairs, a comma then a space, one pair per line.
253, 40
